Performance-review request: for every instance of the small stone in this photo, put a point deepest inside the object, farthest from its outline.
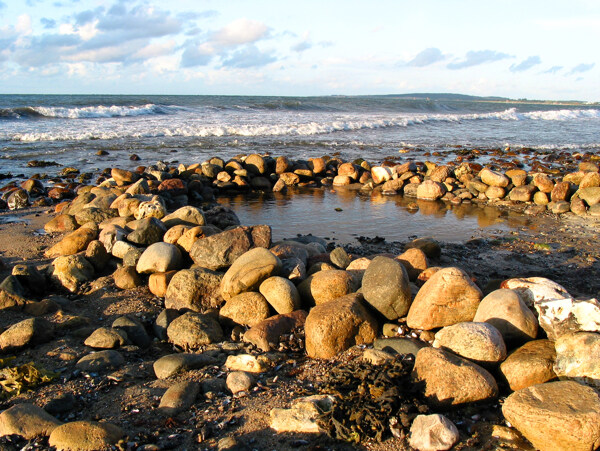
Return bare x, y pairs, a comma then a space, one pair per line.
433, 432
172, 364
28, 332
178, 397
414, 261
106, 338
248, 363
193, 330
159, 281
126, 278
399, 345
325, 286
238, 381
101, 360
340, 258
266, 334
134, 329
376, 357
493, 178
249, 271
303, 416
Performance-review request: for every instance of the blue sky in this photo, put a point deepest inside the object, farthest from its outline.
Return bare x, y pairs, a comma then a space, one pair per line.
521, 49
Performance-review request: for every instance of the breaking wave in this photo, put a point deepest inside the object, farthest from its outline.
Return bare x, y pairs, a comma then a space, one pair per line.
87, 112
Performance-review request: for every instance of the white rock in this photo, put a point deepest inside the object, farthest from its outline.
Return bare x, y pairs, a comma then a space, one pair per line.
303, 416
564, 316
432, 433
535, 289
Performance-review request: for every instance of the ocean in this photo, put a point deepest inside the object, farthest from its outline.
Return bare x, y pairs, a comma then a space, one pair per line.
71, 129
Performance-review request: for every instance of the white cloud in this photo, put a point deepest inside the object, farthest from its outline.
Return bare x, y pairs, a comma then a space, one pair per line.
240, 31
23, 26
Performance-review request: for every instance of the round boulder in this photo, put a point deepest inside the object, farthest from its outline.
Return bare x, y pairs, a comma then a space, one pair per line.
246, 309
325, 286
479, 342
249, 271
281, 294
385, 286
159, 257
192, 330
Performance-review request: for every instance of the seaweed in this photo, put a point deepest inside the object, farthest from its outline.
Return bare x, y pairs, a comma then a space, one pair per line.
372, 402
15, 380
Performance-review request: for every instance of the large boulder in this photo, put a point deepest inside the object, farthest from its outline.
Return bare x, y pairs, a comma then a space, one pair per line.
566, 316
85, 436
531, 364
535, 289
281, 294
451, 380
246, 309
194, 289
505, 310
222, 249
159, 257
447, 298
578, 358
327, 285
71, 271
385, 286
337, 325
556, 416
249, 271
187, 215
479, 342
493, 178
28, 421
73, 242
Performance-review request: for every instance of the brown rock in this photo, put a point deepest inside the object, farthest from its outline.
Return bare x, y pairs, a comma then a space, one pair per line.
430, 190
61, 223
74, 242
267, 333
85, 436
195, 289
556, 416
447, 298
126, 278
530, 364
349, 170
543, 183
325, 286
28, 421
589, 180
452, 380
245, 309
249, 271
337, 325
414, 261
493, 178
159, 281
123, 177
282, 164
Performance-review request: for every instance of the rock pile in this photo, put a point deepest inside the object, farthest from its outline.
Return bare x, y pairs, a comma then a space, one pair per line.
218, 279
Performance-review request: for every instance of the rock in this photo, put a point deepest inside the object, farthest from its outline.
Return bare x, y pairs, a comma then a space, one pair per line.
531, 364
178, 397
195, 289
190, 236
266, 333
433, 432
447, 298
561, 192
534, 289
540, 198
291, 250
148, 231
414, 261
337, 325
381, 174
385, 287
96, 254
429, 246
303, 416
85, 436
123, 177
590, 179
152, 208
245, 309
106, 338
248, 363
101, 360
281, 294
159, 281
95, 215
222, 250
591, 195
376, 357
172, 364
560, 317
192, 330
187, 215
61, 223
74, 242
543, 183
522, 193
17, 199
28, 332
111, 235
162, 322
132, 257
134, 329
30, 278
451, 380
493, 178
430, 190
159, 257
578, 357
505, 310
557, 416
495, 192
238, 381
325, 286
340, 258
399, 345
71, 271
126, 278
27, 420
479, 342
249, 271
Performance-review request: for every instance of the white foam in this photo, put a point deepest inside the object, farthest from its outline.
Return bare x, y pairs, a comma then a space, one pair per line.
99, 111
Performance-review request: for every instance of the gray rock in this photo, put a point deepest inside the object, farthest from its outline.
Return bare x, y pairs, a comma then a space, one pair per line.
195, 289
303, 416
134, 329
249, 271
101, 360
178, 397
162, 322
148, 231
238, 381
29, 277
340, 258
192, 330
432, 433
400, 345
385, 286
221, 250
578, 358
187, 215
28, 332
106, 338
566, 316
479, 342
172, 364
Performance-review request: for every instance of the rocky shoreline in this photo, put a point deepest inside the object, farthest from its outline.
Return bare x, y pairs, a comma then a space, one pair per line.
155, 320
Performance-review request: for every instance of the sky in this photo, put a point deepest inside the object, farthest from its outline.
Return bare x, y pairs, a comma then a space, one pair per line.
511, 48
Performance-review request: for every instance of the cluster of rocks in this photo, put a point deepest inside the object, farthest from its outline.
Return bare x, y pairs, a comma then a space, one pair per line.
221, 281
540, 189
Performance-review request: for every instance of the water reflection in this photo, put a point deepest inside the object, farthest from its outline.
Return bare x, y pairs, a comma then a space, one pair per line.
345, 213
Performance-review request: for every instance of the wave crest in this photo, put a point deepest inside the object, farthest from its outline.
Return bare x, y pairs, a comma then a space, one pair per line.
87, 112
